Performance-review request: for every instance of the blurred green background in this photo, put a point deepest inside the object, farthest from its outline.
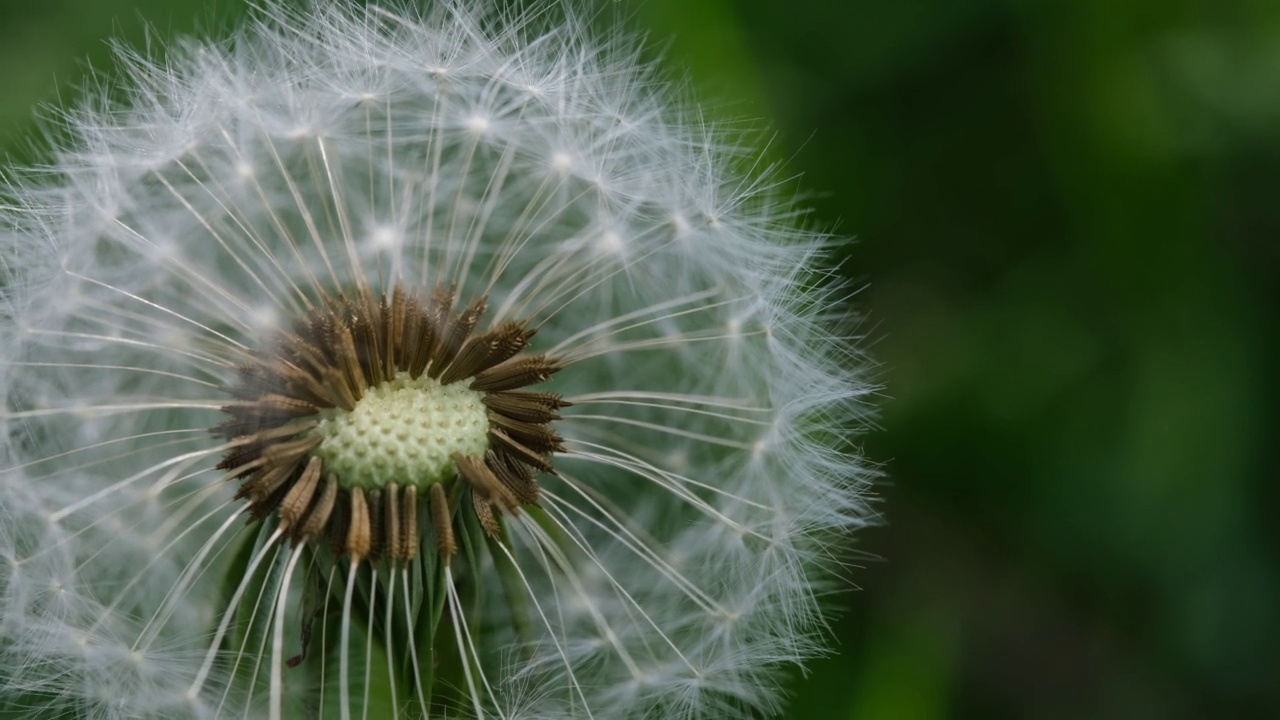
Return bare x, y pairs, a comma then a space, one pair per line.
1068, 215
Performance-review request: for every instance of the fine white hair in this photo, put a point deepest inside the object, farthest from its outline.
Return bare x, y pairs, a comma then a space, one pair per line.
710, 476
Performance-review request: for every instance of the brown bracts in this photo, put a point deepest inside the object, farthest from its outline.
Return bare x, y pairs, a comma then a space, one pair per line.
374, 413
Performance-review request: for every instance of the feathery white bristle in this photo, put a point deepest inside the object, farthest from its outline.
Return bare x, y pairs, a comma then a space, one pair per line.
686, 538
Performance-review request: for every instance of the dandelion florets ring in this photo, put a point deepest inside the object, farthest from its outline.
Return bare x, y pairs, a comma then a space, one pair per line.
370, 408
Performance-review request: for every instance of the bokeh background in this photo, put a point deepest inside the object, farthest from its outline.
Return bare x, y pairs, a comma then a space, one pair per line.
1067, 217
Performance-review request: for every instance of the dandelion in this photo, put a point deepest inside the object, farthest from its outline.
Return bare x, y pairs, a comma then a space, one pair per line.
397, 363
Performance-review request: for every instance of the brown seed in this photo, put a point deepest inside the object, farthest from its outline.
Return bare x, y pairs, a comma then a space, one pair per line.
408, 547
319, 517
484, 513
516, 372
534, 407
391, 522
298, 498
485, 483
502, 442
441, 523
359, 540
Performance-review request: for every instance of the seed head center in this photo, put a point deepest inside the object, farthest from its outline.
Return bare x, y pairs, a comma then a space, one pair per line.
352, 424
404, 431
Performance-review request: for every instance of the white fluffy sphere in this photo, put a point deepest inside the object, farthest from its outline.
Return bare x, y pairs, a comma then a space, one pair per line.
675, 558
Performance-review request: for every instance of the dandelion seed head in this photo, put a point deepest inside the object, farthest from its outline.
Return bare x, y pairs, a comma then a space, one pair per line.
439, 360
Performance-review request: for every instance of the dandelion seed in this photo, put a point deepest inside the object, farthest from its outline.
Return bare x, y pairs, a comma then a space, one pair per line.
398, 363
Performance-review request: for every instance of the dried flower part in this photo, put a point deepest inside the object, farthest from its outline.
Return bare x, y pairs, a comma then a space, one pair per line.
339, 423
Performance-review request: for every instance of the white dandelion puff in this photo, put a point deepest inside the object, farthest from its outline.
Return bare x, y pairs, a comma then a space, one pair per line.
385, 362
